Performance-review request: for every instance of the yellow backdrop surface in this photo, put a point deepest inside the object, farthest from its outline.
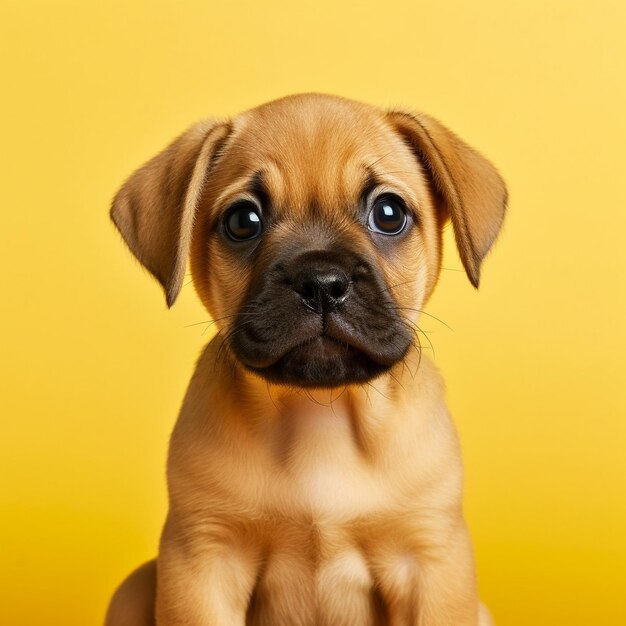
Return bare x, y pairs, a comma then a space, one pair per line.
93, 366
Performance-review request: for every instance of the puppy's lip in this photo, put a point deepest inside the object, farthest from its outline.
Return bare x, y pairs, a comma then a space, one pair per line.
339, 328
320, 362
332, 347
335, 332
322, 338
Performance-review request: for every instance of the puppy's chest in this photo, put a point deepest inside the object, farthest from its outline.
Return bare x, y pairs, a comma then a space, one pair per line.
319, 466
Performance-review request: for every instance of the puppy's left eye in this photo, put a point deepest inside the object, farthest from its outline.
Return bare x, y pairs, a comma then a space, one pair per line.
388, 216
243, 221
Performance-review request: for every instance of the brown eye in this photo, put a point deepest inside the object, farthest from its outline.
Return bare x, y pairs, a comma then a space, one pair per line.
243, 221
388, 216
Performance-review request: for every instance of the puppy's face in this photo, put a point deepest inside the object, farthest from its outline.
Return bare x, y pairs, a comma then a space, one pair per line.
316, 242
314, 225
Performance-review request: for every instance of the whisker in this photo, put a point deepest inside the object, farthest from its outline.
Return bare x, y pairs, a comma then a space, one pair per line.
406, 282
394, 377
211, 321
416, 330
378, 391
422, 312
307, 393
269, 393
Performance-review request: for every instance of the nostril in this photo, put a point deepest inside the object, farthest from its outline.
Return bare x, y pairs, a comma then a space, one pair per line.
308, 290
338, 288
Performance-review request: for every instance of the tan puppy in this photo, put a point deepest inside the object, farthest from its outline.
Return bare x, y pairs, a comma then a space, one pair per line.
314, 473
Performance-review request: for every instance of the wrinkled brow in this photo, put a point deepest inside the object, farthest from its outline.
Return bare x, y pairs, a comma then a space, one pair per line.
370, 182
258, 187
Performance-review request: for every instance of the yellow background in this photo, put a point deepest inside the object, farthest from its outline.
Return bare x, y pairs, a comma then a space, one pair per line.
93, 366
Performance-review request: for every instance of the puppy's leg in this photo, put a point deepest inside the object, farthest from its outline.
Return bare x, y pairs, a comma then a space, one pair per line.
434, 586
133, 602
447, 591
202, 581
485, 618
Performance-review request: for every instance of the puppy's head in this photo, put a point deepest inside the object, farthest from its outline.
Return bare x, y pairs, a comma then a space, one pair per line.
314, 229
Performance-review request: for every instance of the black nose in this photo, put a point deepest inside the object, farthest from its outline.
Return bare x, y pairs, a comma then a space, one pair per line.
321, 287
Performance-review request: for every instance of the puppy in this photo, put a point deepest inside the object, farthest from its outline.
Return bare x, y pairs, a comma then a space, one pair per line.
314, 472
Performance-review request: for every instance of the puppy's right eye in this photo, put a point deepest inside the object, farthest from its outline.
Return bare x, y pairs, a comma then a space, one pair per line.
243, 221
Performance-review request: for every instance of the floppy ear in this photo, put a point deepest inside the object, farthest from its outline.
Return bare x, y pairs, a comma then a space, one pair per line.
473, 193
154, 210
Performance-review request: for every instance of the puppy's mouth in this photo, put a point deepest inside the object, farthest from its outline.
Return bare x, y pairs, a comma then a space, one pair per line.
324, 351
321, 361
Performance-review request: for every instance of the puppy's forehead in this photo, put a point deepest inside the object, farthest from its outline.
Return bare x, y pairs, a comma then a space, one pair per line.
316, 149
